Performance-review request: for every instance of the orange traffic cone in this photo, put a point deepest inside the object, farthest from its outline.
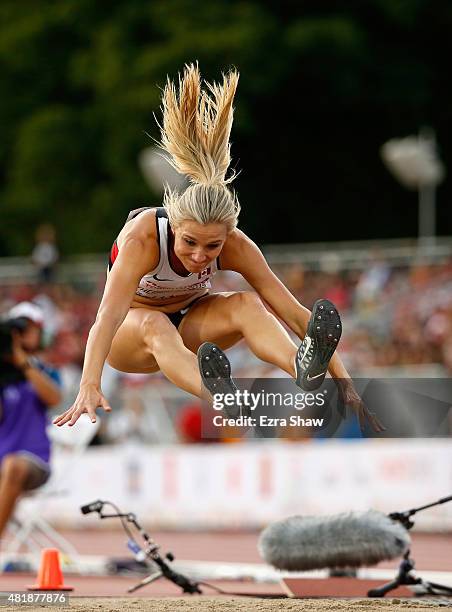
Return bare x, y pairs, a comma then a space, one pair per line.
50, 576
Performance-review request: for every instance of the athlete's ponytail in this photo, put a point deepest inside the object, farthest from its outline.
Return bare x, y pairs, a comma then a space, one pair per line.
195, 133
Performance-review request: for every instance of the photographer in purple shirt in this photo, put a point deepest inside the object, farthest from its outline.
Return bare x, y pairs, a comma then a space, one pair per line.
27, 389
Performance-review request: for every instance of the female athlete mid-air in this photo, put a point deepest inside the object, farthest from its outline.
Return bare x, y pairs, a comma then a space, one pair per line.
156, 312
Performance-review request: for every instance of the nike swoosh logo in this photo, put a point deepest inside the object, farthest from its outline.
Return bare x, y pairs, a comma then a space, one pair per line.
168, 280
309, 378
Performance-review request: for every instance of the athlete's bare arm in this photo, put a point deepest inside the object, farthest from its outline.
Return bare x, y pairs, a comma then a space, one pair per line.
242, 255
138, 254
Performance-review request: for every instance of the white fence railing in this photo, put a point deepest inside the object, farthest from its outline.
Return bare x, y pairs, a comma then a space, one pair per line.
89, 269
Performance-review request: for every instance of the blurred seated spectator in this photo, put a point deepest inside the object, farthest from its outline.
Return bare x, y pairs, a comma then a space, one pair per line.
27, 389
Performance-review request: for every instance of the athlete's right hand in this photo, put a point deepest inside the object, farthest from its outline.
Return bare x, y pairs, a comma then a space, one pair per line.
348, 396
88, 400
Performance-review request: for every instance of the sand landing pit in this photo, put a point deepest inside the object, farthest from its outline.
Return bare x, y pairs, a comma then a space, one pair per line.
237, 604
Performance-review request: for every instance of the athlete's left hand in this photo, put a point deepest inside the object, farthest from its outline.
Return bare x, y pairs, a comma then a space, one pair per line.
348, 396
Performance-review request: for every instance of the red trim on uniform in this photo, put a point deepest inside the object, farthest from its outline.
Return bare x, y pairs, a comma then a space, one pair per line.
114, 252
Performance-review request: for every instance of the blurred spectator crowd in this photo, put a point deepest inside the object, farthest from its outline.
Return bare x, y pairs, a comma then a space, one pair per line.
394, 317
397, 318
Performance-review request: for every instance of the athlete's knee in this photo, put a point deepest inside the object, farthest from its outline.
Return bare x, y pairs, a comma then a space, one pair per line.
248, 302
14, 469
156, 328
244, 306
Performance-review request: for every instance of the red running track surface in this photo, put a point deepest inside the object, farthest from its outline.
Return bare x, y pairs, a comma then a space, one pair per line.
431, 552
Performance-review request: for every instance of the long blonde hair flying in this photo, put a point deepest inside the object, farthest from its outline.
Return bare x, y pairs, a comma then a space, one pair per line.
195, 134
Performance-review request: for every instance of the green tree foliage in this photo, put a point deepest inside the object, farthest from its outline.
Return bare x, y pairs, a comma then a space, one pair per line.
323, 86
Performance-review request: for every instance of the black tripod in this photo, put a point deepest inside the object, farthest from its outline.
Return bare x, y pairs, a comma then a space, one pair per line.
405, 574
150, 551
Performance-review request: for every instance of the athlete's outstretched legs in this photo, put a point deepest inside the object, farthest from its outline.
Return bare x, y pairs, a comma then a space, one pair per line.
147, 341
225, 318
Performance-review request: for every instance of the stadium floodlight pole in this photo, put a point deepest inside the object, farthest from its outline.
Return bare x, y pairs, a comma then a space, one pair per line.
414, 162
427, 189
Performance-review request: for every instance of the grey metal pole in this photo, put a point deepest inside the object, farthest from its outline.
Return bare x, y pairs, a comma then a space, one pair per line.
427, 195
427, 214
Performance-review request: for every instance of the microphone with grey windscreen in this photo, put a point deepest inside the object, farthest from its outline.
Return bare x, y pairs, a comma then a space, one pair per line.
352, 539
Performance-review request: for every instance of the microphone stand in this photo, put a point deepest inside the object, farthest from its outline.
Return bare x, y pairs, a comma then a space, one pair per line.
405, 574
150, 551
